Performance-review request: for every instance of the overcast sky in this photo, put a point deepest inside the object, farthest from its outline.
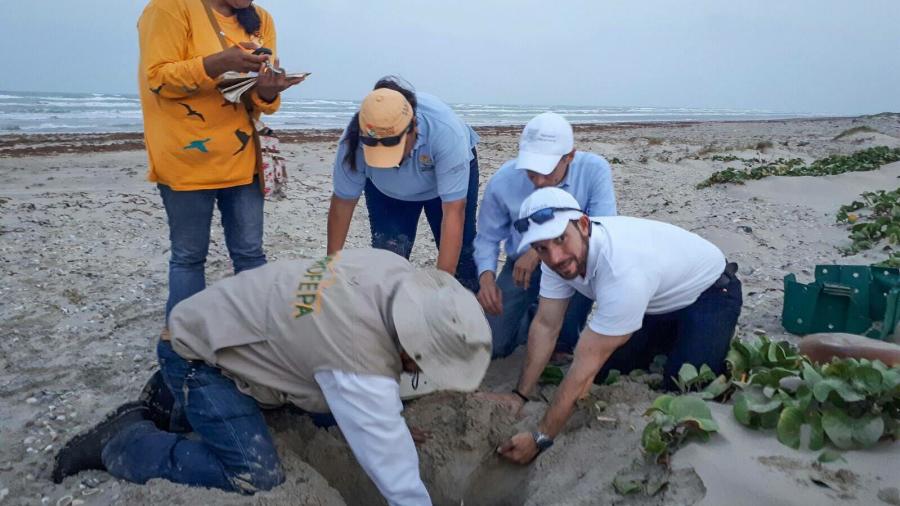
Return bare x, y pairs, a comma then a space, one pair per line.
824, 56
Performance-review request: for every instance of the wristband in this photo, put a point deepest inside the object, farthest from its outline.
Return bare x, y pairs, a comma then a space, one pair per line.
521, 395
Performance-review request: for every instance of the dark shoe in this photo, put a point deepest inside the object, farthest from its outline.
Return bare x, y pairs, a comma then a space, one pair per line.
159, 399
84, 451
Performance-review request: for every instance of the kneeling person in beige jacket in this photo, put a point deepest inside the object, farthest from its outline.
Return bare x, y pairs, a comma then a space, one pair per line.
324, 335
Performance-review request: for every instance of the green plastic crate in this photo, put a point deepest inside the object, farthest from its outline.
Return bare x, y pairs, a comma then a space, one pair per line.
856, 299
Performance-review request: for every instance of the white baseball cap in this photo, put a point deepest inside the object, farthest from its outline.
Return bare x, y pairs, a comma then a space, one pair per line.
441, 326
546, 138
563, 202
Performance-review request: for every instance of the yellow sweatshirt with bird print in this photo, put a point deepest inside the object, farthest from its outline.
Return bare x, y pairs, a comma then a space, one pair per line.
195, 139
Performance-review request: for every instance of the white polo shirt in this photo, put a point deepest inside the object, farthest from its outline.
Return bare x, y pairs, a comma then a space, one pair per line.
636, 267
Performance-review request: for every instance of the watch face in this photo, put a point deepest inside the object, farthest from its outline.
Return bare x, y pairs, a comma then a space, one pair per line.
542, 441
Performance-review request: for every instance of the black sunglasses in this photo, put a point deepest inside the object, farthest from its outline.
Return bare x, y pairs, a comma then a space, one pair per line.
386, 141
540, 217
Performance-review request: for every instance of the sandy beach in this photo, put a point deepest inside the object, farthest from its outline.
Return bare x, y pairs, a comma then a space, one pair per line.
84, 252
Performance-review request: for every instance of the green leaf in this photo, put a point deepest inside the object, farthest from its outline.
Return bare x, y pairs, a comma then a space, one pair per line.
839, 428
789, 423
692, 409
652, 440
737, 363
816, 433
758, 402
830, 456
715, 389
868, 378
625, 487
868, 430
741, 410
687, 374
705, 374
662, 403
837, 385
552, 375
612, 377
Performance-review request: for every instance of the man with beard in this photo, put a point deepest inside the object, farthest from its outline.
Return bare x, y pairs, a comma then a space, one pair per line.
659, 289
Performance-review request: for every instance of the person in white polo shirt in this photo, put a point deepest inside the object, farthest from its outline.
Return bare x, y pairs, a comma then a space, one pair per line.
547, 158
658, 288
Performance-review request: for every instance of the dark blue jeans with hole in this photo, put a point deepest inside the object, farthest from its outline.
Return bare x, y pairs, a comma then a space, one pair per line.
394, 222
231, 449
698, 334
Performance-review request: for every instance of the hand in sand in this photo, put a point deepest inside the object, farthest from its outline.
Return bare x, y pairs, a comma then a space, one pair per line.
270, 83
489, 295
519, 449
525, 265
510, 401
419, 436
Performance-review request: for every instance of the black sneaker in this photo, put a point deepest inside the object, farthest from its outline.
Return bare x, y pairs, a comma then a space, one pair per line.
159, 399
84, 451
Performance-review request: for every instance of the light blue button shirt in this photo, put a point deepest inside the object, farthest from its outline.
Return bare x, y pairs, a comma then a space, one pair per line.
437, 167
589, 180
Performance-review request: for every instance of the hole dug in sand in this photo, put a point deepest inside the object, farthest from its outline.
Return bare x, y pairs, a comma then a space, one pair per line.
459, 464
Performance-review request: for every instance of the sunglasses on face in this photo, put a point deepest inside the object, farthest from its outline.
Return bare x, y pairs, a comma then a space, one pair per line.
385, 141
540, 217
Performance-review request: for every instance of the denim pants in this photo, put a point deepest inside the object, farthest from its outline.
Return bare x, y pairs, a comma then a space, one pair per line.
698, 334
190, 216
510, 329
394, 222
233, 449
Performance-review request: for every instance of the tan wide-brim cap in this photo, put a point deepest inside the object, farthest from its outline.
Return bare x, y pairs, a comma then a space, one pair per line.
384, 113
441, 326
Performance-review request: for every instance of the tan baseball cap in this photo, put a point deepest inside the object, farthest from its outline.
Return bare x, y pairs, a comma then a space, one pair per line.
441, 326
384, 113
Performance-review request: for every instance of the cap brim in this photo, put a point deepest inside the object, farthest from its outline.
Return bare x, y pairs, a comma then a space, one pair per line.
384, 157
449, 373
540, 163
549, 230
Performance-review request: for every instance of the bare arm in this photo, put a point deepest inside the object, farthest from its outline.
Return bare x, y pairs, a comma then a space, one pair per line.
592, 351
542, 336
451, 235
340, 212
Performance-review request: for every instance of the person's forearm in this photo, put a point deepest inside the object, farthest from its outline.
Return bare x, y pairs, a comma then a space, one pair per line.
541, 343
451, 236
591, 354
577, 381
340, 213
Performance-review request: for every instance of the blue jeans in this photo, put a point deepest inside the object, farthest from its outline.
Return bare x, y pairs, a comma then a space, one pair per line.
510, 329
234, 451
698, 334
190, 216
393, 223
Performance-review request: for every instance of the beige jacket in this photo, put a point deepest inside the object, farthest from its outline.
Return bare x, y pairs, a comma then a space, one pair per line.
272, 328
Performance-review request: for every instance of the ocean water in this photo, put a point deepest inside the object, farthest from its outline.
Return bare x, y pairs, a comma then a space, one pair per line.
36, 112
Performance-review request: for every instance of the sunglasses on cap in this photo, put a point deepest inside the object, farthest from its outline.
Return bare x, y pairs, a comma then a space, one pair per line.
386, 141
540, 217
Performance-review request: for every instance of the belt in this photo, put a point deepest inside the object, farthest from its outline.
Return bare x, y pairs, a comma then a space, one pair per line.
728, 275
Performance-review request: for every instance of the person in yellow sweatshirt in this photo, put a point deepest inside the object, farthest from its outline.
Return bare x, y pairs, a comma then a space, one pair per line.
201, 148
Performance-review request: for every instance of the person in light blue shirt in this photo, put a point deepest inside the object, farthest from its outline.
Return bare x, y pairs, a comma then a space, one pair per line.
409, 152
547, 157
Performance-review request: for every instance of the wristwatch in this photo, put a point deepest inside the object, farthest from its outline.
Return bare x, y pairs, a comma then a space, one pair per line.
542, 441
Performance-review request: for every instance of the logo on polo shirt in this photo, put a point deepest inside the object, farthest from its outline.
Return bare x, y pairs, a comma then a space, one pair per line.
318, 277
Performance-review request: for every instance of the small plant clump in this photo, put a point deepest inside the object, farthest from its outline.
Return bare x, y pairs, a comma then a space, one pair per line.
855, 130
851, 403
860, 161
882, 222
674, 420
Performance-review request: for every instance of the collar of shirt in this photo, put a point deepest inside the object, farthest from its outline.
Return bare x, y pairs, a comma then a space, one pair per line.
421, 131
